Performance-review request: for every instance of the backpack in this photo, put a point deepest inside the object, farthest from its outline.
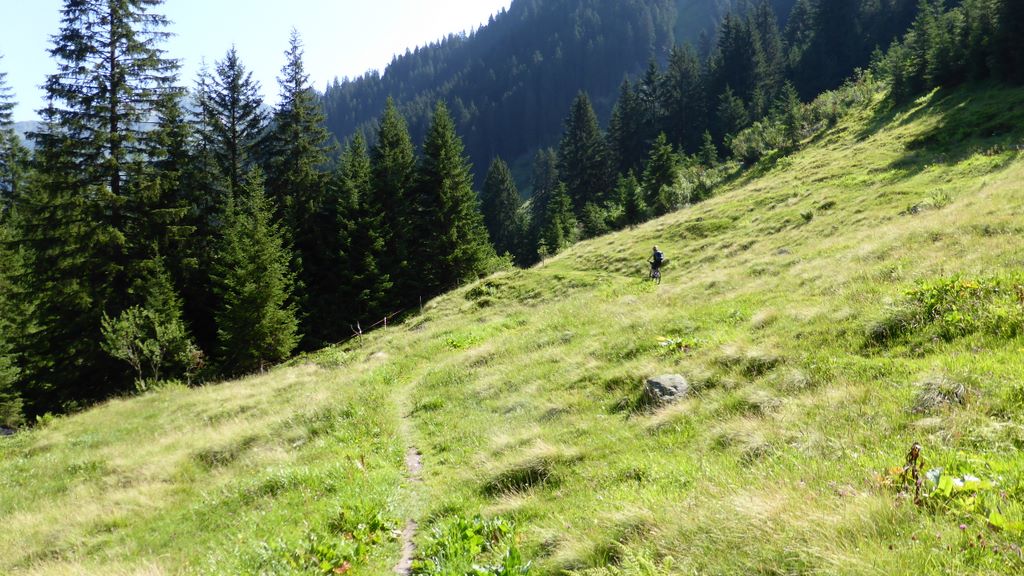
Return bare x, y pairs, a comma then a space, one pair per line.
658, 258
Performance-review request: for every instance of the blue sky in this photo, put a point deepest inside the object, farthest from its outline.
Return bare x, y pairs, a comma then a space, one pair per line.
341, 37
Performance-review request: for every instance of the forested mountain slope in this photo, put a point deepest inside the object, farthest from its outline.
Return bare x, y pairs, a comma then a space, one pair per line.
828, 308
510, 83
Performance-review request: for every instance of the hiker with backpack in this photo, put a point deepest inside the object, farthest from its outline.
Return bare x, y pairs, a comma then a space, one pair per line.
656, 260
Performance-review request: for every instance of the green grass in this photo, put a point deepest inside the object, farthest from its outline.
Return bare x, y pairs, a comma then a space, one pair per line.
856, 297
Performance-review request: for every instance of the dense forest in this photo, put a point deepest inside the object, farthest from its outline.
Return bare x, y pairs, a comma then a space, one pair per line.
517, 75
157, 232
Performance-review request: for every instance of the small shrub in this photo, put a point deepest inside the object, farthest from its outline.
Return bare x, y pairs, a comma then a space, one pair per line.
757, 141
954, 307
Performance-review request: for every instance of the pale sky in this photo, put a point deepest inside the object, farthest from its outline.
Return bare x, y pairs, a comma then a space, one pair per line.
342, 37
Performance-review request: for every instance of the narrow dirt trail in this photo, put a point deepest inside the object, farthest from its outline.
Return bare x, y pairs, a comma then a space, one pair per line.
413, 466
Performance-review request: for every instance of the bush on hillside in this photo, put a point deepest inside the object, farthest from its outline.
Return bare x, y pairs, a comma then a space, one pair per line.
954, 307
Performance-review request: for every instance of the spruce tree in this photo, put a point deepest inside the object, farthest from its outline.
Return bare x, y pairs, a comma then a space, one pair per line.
256, 322
500, 205
634, 208
626, 131
544, 181
650, 98
736, 59
660, 177
559, 228
91, 212
1010, 40
833, 48
11, 408
13, 155
393, 164
455, 244
232, 120
708, 155
111, 74
363, 248
151, 336
771, 60
66, 284
296, 152
683, 95
790, 112
583, 159
731, 115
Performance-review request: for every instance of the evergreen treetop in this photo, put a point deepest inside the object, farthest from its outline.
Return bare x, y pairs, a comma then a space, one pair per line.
232, 119
500, 202
583, 160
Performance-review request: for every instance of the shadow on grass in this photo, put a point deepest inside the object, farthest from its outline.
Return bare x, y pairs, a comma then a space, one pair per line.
982, 119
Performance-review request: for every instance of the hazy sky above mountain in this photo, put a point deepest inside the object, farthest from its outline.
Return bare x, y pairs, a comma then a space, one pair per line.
341, 37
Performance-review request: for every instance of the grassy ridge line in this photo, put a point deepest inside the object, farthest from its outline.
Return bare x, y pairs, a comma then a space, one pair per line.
522, 394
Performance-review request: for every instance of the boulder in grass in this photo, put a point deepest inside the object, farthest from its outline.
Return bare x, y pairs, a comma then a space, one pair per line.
666, 389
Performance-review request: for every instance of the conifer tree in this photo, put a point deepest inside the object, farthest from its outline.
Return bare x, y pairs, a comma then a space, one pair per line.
626, 131
559, 228
544, 181
683, 94
650, 98
583, 159
660, 177
232, 120
455, 246
296, 151
833, 46
799, 29
256, 322
732, 114
790, 112
981, 21
736, 59
500, 205
634, 208
770, 58
66, 284
393, 163
13, 155
708, 151
10, 398
111, 73
1010, 40
361, 222
86, 204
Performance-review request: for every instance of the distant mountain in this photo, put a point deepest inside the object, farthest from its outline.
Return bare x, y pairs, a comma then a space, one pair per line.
23, 128
509, 84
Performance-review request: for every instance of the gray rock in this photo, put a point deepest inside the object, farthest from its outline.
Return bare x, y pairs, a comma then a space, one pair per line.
665, 389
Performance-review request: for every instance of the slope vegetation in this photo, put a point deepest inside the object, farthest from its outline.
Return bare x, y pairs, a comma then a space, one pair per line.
829, 309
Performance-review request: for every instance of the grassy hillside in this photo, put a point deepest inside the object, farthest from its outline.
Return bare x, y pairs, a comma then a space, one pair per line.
829, 309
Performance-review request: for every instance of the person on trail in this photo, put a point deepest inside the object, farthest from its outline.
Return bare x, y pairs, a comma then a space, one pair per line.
656, 260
